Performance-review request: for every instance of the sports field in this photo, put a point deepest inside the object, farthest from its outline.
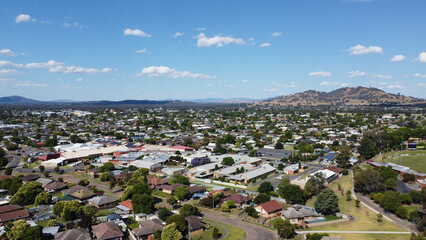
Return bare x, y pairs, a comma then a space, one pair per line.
414, 162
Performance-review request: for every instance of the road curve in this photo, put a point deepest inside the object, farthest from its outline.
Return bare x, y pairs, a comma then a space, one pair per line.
370, 232
254, 232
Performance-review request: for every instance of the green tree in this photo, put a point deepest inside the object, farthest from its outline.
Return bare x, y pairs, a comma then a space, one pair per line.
104, 177
315, 185
107, 167
170, 232
367, 149
265, 187
181, 193
21, 230
279, 145
228, 161
368, 181
216, 234
178, 220
43, 198
143, 203
142, 188
327, 202
286, 230
163, 213
261, 198
179, 179
292, 193
84, 182
27, 193
188, 210
343, 156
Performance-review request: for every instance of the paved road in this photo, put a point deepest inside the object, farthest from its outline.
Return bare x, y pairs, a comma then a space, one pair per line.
14, 162
402, 187
371, 232
254, 232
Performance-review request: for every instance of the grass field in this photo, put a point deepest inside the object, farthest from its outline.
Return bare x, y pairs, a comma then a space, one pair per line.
208, 233
415, 162
234, 232
348, 236
365, 219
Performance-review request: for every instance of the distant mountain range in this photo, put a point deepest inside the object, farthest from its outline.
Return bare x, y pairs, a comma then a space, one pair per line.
356, 96
19, 100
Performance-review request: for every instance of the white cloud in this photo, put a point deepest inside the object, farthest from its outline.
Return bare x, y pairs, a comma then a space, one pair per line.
370, 75
229, 86
398, 58
73, 24
395, 85
136, 32
327, 83
30, 84
217, 40
79, 79
178, 34
277, 34
9, 64
200, 29
357, 73
245, 81
361, 49
60, 67
24, 18
422, 57
423, 85
7, 52
209, 85
265, 45
8, 71
320, 74
141, 50
163, 71
420, 75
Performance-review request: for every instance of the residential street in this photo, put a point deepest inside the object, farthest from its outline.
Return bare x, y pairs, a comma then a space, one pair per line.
254, 232
370, 232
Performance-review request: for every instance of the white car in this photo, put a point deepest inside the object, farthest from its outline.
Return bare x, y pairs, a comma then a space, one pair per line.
279, 178
299, 178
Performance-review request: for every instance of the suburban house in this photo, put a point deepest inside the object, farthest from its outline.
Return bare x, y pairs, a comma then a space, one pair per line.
82, 194
125, 206
328, 175
12, 213
300, 215
170, 188
107, 231
195, 225
269, 209
147, 228
54, 186
238, 199
102, 202
154, 181
253, 175
291, 169
74, 234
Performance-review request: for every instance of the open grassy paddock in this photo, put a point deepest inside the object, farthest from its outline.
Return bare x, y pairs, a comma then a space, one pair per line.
365, 236
365, 219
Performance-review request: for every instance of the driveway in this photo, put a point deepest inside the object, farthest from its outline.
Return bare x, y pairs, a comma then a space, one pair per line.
254, 232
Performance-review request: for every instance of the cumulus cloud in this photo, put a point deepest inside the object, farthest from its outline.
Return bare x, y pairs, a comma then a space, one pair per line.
30, 84
398, 58
320, 74
327, 83
420, 75
361, 49
370, 75
217, 40
395, 85
178, 34
200, 29
163, 71
24, 18
265, 45
357, 73
277, 34
422, 57
141, 50
55, 66
8, 71
7, 52
136, 32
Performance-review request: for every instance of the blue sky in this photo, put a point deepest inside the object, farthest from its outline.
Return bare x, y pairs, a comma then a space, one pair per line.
188, 49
